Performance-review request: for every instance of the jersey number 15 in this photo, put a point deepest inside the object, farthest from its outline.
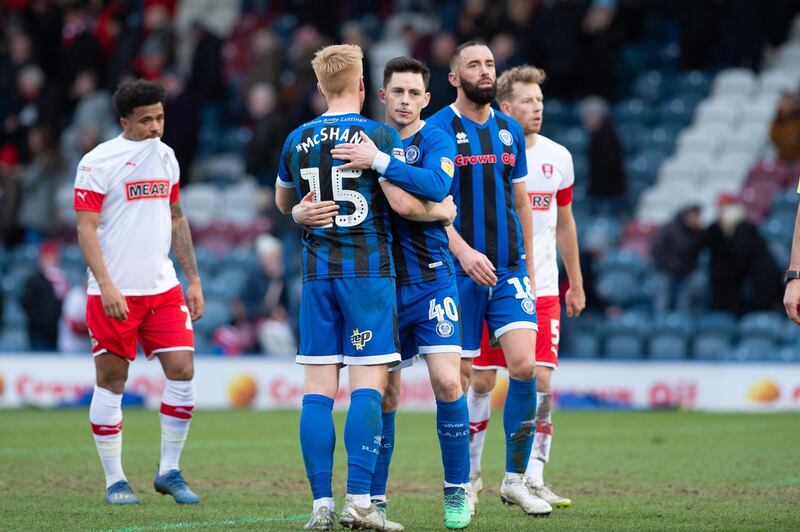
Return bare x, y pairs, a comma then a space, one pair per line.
339, 194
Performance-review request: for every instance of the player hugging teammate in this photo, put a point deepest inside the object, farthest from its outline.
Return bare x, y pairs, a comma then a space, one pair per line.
381, 236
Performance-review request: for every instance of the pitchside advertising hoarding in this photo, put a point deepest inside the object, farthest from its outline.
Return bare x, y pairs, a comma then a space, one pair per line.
62, 381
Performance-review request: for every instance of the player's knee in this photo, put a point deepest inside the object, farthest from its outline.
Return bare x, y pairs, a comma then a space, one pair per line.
543, 379
447, 388
113, 380
184, 372
523, 369
391, 398
483, 381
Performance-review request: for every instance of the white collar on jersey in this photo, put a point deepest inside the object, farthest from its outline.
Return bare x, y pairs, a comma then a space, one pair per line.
453, 107
337, 114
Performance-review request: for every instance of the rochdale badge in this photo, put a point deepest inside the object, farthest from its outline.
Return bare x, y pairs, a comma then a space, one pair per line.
528, 306
412, 154
445, 329
505, 137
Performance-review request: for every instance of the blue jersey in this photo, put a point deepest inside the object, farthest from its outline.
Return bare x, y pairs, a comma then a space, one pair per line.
420, 248
489, 158
358, 243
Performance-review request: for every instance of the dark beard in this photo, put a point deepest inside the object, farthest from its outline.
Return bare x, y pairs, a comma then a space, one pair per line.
477, 94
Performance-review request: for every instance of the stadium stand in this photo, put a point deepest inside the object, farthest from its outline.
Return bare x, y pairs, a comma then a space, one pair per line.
688, 136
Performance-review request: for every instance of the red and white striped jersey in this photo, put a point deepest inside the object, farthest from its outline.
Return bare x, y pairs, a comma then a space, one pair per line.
131, 184
550, 181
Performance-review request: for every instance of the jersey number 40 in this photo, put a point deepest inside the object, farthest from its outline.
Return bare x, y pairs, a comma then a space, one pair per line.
339, 194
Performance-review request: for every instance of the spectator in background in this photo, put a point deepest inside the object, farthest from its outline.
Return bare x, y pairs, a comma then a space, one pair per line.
266, 298
744, 276
207, 85
785, 129
676, 250
182, 122
267, 50
442, 93
38, 183
606, 170
263, 150
41, 299
34, 104
73, 333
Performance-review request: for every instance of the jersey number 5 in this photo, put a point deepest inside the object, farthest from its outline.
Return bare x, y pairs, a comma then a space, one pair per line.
340, 194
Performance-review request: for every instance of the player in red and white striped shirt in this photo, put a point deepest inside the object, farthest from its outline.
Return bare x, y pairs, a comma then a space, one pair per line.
129, 217
549, 184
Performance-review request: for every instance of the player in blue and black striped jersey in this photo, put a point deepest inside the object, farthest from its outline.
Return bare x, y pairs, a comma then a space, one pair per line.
493, 249
348, 309
427, 294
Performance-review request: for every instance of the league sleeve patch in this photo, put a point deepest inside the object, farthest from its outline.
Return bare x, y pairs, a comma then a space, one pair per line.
448, 166
399, 154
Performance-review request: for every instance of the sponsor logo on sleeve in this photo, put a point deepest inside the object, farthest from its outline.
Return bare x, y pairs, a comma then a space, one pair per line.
399, 153
448, 166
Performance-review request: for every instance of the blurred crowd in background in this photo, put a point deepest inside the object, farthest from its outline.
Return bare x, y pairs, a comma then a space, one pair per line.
238, 78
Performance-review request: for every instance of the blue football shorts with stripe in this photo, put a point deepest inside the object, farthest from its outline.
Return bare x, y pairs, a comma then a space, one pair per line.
429, 314
351, 321
506, 306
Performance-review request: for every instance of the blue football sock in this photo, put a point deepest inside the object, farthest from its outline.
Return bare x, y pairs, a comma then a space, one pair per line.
452, 426
381, 474
362, 436
519, 423
318, 440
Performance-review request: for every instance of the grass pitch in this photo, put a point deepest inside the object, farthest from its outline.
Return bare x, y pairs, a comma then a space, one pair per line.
623, 470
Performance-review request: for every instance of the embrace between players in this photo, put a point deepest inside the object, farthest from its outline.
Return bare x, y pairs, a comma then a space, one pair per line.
386, 209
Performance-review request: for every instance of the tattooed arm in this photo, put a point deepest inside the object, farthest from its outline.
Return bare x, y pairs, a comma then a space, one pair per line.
184, 251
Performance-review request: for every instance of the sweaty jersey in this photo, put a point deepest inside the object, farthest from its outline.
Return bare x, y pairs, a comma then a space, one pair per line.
358, 243
550, 182
489, 158
131, 184
420, 248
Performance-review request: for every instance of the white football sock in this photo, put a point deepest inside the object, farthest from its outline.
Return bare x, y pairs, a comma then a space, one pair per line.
540, 452
177, 407
105, 415
480, 409
362, 500
324, 501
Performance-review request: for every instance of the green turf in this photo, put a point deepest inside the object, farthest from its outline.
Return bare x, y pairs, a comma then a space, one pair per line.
623, 470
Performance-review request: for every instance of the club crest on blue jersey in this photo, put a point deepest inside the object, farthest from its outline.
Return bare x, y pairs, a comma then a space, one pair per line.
445, 329
412, 154
505, 137
528, 306
360, 339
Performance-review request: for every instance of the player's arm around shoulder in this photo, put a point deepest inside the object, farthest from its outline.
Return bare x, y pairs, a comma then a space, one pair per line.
183, 248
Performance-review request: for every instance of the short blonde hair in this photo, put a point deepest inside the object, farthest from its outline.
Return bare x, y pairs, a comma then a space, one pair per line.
337, 67
520, 74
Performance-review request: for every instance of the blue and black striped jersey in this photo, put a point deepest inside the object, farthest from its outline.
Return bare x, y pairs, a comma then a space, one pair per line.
420, 248
358, 243
489, 158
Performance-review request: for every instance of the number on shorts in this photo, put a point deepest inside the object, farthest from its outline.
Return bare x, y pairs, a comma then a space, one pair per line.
522, 293
555, 330
450, 310
185, 309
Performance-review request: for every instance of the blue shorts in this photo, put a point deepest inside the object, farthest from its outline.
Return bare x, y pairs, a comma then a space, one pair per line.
349, 321
429, 314
506, 306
